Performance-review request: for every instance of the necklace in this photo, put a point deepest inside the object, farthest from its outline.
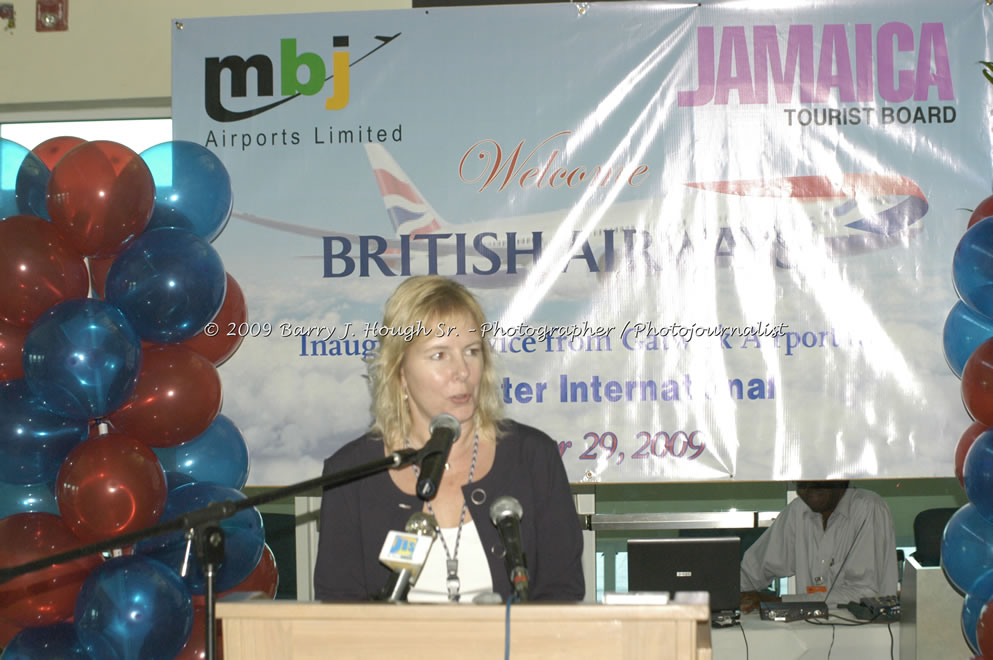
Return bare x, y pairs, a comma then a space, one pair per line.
452, 558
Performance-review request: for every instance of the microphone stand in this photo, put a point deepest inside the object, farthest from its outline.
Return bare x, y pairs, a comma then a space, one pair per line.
207, 535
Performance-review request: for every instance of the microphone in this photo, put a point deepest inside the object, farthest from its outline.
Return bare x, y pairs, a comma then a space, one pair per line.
444, 430
506, 515
405, 552
841, 569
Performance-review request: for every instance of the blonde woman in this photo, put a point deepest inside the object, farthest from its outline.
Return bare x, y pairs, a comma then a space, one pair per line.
433, 359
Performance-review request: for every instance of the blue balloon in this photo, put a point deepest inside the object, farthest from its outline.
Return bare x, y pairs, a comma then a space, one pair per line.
972, 267
218, 455
27, 498
139, 607
58, 640
23, 181
978, 595
82, 357
192, 188
176, 479
965, 329
169, 283
34, 440
966, 547
977, 474
244, 537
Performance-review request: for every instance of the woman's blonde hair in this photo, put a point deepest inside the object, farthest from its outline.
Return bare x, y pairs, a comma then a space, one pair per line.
425, 299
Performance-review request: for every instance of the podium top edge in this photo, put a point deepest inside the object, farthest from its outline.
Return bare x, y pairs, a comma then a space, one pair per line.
531, 611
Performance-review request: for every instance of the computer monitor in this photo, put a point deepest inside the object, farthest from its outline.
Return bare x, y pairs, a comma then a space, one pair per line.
688, 564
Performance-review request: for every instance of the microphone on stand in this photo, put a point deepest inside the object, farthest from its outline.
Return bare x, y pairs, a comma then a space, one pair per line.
841, 568
444, 430
405, 552
506, 513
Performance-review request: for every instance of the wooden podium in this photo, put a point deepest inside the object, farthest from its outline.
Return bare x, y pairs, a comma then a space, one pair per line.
276, 630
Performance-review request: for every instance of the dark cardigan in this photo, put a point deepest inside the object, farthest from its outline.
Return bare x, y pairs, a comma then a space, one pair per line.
356, 517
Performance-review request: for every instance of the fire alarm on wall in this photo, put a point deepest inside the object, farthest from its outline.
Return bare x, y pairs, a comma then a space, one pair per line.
52, 15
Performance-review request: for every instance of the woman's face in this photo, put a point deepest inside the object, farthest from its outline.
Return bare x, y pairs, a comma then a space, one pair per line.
441, 373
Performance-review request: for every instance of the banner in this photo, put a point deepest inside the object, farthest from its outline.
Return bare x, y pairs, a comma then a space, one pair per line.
714, 242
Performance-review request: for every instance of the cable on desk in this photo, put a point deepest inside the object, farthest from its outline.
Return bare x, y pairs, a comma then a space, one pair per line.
744, 638
850, 623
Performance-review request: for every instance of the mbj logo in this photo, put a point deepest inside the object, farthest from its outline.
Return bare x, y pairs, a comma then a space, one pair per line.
293, 66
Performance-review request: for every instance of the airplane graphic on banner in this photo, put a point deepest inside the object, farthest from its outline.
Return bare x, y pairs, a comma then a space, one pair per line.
778, 219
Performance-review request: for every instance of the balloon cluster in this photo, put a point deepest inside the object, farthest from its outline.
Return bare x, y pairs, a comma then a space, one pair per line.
967, 542
110, 398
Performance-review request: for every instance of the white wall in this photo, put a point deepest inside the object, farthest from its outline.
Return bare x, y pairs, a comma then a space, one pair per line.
116, 54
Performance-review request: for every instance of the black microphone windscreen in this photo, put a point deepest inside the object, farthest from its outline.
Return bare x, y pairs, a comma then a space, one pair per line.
505, 513
446, 422
444, 431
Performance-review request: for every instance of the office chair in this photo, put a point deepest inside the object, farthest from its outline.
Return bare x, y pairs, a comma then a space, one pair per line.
929, 525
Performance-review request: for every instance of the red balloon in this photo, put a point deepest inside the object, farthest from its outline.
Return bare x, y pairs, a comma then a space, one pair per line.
977, 383
53, 149
109, 485
229, 319
264, 578
98, 273
38, 268
177, 396
195, 648
48, 595
962, 448
984, 210
101, 195
11, 349
984, 631
7, 632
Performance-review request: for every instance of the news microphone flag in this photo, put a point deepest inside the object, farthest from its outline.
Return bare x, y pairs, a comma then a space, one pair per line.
402, 550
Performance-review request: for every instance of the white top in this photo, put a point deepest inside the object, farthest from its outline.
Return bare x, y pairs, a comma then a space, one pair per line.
797, 544
473, 571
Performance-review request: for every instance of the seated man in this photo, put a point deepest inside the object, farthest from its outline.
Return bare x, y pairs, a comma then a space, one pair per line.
837, 541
